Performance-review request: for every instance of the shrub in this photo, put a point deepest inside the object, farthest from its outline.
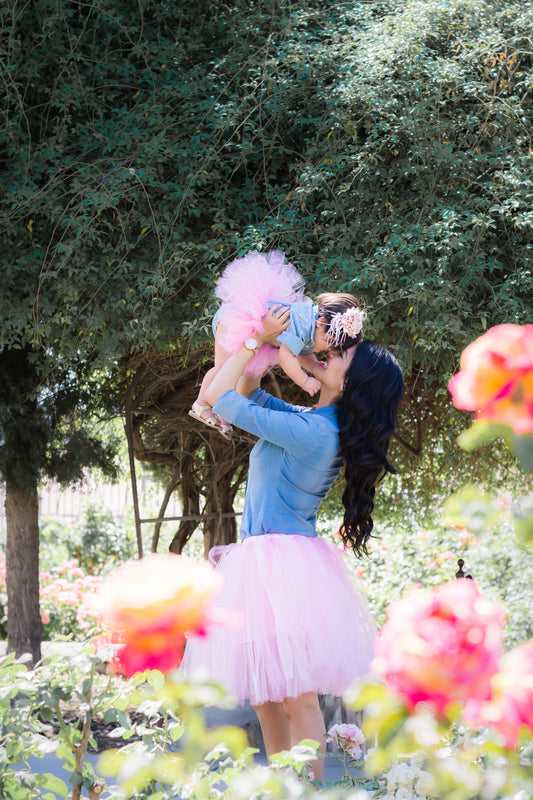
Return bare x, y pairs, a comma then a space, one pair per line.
428, 557
63, 593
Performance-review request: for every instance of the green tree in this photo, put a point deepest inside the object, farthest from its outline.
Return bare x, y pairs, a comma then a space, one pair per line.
383, 145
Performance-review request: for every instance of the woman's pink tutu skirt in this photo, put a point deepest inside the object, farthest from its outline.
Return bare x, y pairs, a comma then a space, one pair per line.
305, 626
246, 288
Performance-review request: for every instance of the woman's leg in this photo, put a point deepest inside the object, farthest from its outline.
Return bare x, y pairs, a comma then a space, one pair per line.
274, 727
307, 722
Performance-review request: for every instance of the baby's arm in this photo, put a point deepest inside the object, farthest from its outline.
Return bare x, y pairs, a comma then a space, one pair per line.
311, 363
291, 367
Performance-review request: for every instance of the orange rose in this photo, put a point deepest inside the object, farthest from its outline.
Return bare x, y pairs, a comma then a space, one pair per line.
151, 604
496, 377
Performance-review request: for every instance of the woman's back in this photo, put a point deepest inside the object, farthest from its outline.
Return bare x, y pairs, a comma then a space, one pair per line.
292, 466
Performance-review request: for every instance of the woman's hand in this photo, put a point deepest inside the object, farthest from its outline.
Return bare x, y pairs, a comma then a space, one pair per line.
229, 374
275, 321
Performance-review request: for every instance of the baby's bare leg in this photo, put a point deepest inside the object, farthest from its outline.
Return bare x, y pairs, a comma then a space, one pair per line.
248, 384
220, 356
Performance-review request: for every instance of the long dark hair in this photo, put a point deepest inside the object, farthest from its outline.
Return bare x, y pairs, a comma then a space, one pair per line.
367, 413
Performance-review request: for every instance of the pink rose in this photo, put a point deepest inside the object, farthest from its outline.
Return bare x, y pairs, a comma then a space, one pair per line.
496, 377
510, 708
348, 737
440, 646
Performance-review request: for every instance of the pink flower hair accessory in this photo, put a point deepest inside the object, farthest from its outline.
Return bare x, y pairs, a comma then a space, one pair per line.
345, 323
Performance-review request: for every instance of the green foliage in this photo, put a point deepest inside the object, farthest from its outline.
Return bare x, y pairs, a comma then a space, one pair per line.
482, 431
385, 146
404, 556
99, 543
168, 750
50, 709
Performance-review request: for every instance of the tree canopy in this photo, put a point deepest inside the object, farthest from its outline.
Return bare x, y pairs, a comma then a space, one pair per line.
385, 145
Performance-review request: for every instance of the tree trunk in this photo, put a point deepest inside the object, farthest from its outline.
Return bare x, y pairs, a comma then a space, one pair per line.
219, 494
190, 501
24, 627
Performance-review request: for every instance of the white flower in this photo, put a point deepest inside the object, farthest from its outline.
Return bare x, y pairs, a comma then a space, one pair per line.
417, 759
370, 752
426, 784
401, 775
404, 794
424, 730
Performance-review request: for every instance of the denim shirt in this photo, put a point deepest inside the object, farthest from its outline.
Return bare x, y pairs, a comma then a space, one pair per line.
292, 466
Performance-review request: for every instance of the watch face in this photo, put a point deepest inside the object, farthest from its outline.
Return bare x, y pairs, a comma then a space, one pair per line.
251, 344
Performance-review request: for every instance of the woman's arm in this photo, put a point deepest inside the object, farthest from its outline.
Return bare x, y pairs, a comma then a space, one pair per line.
274, 323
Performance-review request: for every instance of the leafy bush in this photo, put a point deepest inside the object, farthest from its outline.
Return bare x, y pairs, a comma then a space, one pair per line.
99, 543
168, 752
400, 558
64, 591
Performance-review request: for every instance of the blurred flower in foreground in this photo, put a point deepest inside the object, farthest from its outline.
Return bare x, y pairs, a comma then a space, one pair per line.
440, 646
510, 708
348, 737
150, 604
408, 781
496, 377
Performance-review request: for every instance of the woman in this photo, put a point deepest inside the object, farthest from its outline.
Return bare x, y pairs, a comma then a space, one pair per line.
305, 632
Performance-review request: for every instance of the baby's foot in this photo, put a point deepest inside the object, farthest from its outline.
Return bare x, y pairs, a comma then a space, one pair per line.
203, 413
224, 427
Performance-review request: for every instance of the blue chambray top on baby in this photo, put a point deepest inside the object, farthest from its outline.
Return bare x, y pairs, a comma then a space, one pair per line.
300, 335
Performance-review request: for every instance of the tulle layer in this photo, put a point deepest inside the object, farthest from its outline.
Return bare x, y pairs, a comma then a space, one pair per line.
305, 625
246, 287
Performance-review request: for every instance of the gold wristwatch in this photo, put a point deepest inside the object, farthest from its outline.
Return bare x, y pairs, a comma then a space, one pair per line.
252, 344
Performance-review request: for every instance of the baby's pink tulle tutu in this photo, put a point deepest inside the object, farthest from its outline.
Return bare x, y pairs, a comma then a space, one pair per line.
246, 287
305, 627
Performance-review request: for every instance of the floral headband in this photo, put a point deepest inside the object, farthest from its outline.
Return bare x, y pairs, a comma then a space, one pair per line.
345, 323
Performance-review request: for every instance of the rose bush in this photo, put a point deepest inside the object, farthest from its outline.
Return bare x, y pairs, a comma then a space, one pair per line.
63, 597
